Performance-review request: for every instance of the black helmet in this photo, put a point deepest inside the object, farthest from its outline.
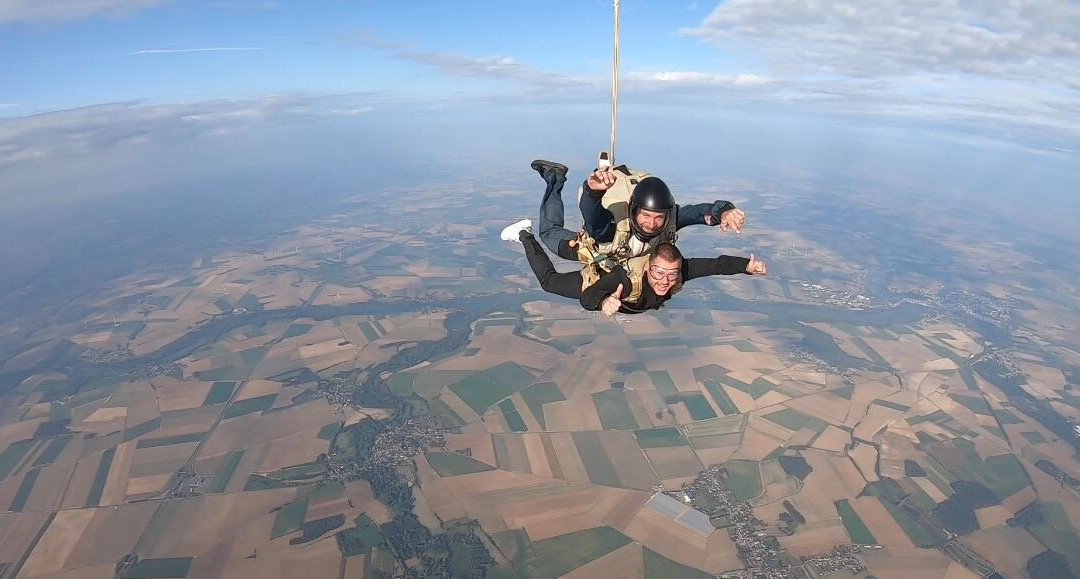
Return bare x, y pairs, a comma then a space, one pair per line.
653, 194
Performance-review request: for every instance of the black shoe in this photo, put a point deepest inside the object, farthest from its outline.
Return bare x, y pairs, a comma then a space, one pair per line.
546, 168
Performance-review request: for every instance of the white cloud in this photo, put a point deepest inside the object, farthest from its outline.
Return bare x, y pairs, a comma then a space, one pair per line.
96, 128
191, 50
39, 10
1012, 39
999, 67
691, 77
497, 66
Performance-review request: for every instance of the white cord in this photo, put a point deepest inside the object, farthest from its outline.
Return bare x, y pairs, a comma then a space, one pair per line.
615, 87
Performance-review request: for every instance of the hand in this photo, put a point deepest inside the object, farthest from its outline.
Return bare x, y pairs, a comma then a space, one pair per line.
613, 302
732, 220
755, 267
600, 181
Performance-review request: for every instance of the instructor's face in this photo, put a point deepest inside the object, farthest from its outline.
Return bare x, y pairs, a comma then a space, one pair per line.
662, 275
650, 221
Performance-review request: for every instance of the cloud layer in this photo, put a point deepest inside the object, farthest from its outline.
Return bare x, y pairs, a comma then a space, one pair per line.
1033, 40
87, 130
39, 10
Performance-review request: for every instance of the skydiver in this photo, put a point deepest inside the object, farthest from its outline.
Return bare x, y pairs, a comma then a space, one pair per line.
601, 288
652, 216
656, 216
644, 283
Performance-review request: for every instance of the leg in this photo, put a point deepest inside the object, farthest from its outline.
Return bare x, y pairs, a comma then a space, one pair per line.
552, 214
567, 285
599, 222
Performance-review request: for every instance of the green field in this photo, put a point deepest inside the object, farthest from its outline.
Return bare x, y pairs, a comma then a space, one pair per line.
721, 398
13, 455
975, 404
795, 420
296, 330
401, 383
52, 452
594, 456
223, 476
758, 388
1006, 417
969, 378
656, 342
856, 528
658, 566
614, 410
169, 440
893, 405
328, 431
659, 437
327, 490
141, 429
1006, 476
870, 352
361, 539
560, 555
512, 416
369, 331
699, 407
449, 418
158, 568
453, 463
299, 472
219, 392
1002, 474
745, 346
716, 426
744, 479
911, 527
537, 395
662, 380
1034, 437
242, 407
25, 488
918, 496
258, 482
102, 474
844, 392
289, 518
487, 387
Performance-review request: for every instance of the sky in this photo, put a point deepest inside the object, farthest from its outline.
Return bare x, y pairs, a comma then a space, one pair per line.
88, 85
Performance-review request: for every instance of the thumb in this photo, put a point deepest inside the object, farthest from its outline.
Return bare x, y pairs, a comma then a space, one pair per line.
618, 292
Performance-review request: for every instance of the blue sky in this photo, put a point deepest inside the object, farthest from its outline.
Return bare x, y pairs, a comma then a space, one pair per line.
183, 51
87, 84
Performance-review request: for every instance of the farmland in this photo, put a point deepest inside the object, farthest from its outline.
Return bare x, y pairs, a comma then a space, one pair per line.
362, 397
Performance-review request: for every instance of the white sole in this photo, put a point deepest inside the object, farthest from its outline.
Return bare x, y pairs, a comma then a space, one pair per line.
510, 232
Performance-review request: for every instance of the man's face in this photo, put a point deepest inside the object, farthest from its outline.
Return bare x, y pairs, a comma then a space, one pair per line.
662, 274
650, 221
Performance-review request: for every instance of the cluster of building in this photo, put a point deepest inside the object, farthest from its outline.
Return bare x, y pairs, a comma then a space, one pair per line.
107, 356
842, 558
336, 391
400, 442
762, 553
155, 370
341, 470
826, 295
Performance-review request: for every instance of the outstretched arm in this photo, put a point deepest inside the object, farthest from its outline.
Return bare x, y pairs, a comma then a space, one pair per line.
592, 298
724, 265
722, 213
598, 221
